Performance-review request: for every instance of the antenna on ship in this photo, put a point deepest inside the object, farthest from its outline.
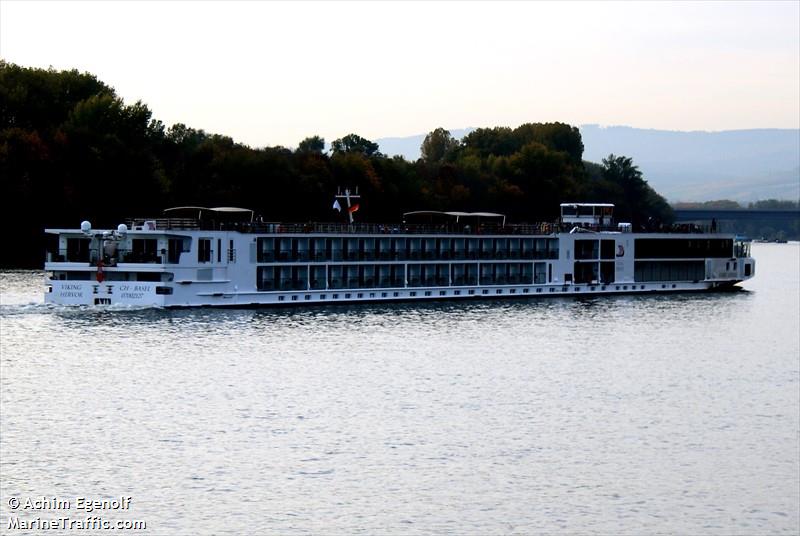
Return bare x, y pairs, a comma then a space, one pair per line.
347, 197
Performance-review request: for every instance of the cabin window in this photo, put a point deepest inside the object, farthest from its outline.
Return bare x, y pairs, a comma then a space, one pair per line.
586, 249
607, 249
143, 250
540, 273
682, 248
78, 249
669, 271
204, 250
174, 250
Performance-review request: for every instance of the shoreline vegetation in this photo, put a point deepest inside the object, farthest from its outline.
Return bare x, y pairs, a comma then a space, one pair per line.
71, 149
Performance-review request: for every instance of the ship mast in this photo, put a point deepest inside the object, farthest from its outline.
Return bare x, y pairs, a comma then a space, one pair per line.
347, 196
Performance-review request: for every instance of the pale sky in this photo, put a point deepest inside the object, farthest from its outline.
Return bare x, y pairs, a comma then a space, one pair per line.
272, 73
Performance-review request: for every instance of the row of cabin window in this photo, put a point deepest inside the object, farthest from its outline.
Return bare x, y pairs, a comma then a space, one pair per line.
393, 275
337, 249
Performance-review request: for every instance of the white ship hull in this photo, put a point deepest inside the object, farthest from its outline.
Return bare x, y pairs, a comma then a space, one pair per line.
174, 267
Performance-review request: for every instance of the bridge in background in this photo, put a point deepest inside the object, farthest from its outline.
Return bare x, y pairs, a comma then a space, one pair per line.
757, 223
786, 217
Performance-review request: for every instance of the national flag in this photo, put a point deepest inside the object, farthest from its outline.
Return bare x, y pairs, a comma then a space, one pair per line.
352, 209
336, 205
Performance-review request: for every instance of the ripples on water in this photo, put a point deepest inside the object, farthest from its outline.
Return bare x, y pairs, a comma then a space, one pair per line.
624, 414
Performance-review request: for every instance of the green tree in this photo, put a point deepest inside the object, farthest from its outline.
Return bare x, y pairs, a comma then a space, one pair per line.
639, 203
438, 146
498, 141
313, 144
353, 143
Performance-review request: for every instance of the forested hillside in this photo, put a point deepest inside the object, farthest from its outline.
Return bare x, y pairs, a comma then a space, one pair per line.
71, 149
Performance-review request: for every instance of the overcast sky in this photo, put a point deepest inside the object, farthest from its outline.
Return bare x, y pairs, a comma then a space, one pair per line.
270, 73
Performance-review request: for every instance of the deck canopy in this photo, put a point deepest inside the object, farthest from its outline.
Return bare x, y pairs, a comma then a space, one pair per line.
240, 214
436, 215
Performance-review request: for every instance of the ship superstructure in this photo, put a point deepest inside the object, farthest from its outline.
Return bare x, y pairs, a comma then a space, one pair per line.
196, 256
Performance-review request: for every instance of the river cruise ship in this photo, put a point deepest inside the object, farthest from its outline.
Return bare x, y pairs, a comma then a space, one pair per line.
195, 256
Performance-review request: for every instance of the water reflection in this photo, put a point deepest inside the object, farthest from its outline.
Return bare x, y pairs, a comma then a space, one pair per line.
615, 414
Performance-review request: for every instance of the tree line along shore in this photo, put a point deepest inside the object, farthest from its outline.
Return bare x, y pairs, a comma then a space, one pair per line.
71, 149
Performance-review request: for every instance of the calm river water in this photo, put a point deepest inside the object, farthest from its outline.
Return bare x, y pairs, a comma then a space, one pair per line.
623, 415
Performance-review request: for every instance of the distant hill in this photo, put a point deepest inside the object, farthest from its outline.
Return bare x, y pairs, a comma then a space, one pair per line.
742, 165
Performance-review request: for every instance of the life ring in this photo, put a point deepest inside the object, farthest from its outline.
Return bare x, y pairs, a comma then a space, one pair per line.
620, 250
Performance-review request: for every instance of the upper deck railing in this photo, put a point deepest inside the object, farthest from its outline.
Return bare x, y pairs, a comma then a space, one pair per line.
543, 228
